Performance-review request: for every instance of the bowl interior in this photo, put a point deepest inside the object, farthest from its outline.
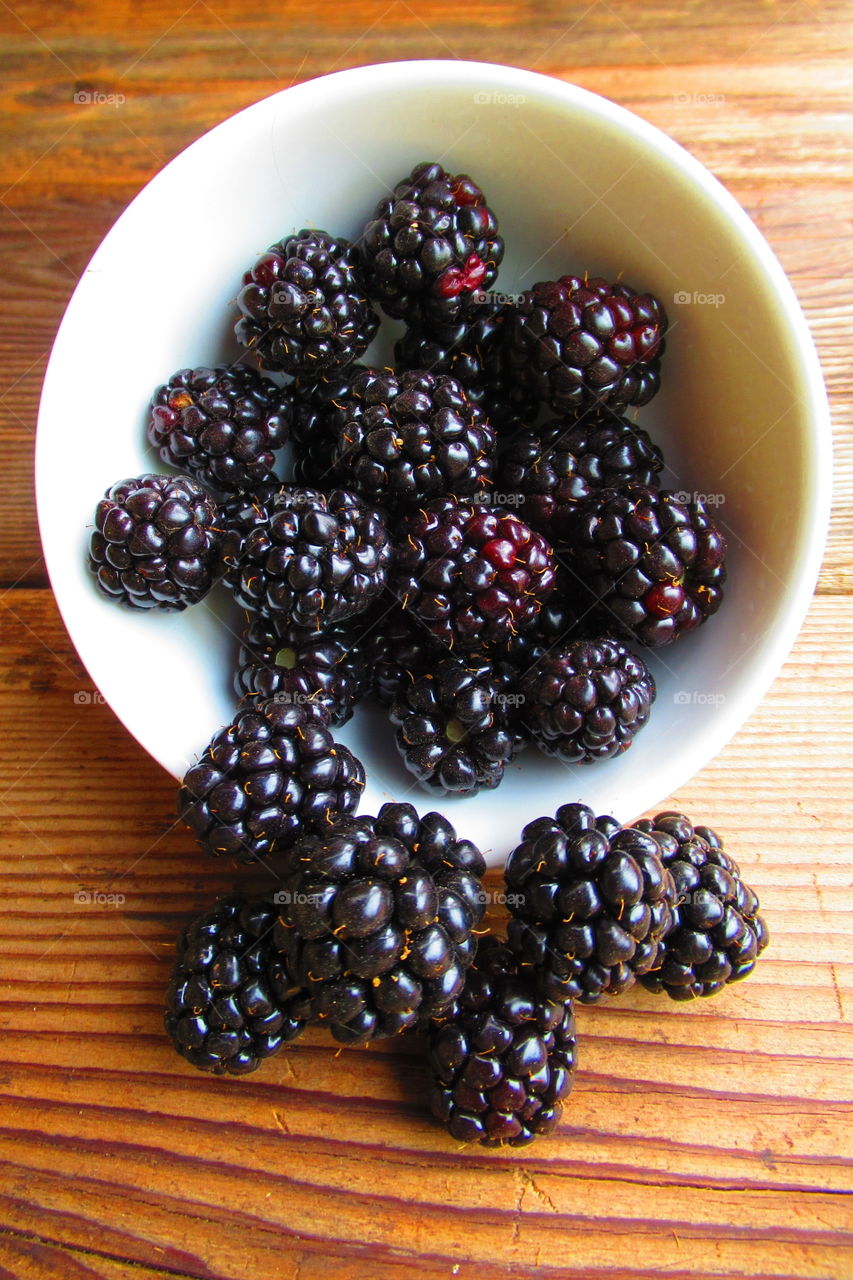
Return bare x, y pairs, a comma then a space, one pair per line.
578, 184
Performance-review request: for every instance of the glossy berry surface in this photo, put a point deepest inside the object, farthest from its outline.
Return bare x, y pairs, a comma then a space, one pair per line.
472, 574
577, 343
303, 307
156, 542
586, 701
503, 1060
222, 425
431, 247
300, 665
717, 933
264, 780
229, 1003
377, 918
590, 903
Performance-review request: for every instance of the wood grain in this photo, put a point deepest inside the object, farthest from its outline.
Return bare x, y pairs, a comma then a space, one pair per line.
708, 1141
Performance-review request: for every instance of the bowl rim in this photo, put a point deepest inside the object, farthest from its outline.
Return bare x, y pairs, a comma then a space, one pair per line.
416, 74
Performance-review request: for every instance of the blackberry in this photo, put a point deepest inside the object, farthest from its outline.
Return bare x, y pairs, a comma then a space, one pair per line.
716, 934
503, 1060
651, 565
229, 1003
590, 903
575, 343
273, 774
587, 700
474, 354
556, 624
309, 559
559, 465
318, 405
454, 726
155, 544
405, 438
300, 665
395, 648
222, 425
431, 247
472, 574
377, 918
303, 306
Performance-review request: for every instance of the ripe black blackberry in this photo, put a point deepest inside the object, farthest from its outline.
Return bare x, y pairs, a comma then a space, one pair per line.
557, 622
503, 1059
273, 774
556, 466
405, 438
222, 425
301, 665
156, 541
474, 354
376, 921
431, 247
303, 306
317, 419
229, 1003
395, 647
575, 343
651, 565
586, 701
472, 574
590, 903
716, 934
455, 727
309, 559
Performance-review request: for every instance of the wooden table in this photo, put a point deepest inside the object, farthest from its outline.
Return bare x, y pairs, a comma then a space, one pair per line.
705, 1141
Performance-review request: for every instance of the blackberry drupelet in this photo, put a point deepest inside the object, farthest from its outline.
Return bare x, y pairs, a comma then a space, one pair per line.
590, 903
303, 306
156, 542
221, 425
300, 665
454, 725
395, 647
269, 777
716, 934
586, 701
405, 438
503, 1060
575, 343
229, 1003
559, 465
309, 559
473, 575
652, 566
376, 921
474, 354
431, 247
317, 418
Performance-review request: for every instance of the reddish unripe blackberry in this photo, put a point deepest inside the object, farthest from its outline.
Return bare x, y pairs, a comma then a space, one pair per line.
230, 1003
222, 425
308, 558
575, 343
405, 438
301, 665
303, 306
455, 727
716, 934
586, 701
156, 542
264, 780
651, 565
377, 920
503, 1060
473, 575
431, 246
590, 903
559, 465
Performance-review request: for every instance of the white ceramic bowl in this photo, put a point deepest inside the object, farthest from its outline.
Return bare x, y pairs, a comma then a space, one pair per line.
577, 183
